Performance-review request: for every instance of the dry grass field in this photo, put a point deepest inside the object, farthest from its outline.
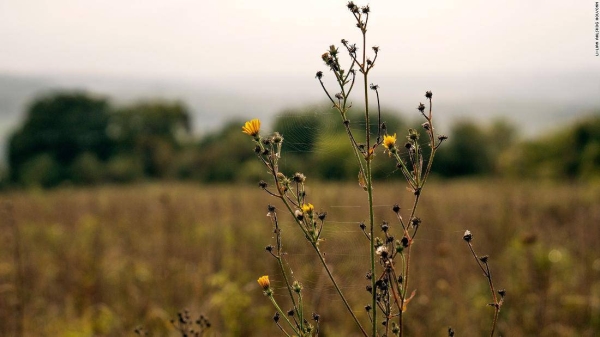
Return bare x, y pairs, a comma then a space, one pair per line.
101, 261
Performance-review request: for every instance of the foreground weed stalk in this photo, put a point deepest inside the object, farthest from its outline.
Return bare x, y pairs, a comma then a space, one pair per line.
482, 262
291, 192
390, 258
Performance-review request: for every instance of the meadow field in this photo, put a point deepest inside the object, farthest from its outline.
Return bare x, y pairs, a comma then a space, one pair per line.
101, 261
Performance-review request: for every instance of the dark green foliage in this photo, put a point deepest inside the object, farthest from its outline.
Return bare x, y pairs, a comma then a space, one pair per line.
76, 137
58, 128
221, 156
79, 138
466, 153
152, 132
301, 127
316, 141
473, 149
570, 153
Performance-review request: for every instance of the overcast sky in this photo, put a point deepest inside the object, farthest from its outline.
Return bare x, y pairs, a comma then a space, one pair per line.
199, 39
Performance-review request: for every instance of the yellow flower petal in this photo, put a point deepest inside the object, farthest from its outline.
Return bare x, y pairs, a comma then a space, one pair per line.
251, 127
264, 282
389, 141
307, 208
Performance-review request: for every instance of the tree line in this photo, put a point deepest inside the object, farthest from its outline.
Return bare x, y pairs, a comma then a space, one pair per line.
82, 139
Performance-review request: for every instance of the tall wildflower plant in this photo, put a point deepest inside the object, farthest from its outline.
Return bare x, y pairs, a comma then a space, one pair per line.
389, 275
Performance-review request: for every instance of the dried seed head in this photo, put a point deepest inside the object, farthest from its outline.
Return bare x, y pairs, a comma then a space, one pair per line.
413, 134
277, 138
333, 50
442, 138
276, 317
374, 86
262, 184
298, 214
381, 284
297, 287
299, 177
319, 75
382, 251
426, 126
315, 316
257, 149
269, 248
385, 227
365, 9
322, 215
415, 221
352, 7
368, 308
450, 332
484, 258
405, 242
396, 208
290, 312
362, 226
339, 95
270, 208
428, 94
502, 292
421, 107
376, 49
468, 236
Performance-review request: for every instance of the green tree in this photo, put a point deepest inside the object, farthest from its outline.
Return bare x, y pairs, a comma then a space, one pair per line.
58, 128
468, 152
223, 155
572, 152
153, 132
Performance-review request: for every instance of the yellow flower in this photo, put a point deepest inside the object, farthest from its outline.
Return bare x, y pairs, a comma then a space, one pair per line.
389, 141
308, 208
264, 282
251, 127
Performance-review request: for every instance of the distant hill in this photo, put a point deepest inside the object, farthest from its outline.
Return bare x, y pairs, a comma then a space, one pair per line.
535, 102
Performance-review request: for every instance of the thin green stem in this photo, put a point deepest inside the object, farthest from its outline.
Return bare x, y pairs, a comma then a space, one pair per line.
282, 313
322, 259
300, 312
337, 288
486, 271
287, 284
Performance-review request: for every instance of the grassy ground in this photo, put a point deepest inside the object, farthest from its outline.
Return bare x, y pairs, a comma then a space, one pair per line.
100, 261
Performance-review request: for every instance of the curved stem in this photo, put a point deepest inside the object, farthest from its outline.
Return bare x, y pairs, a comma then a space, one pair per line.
322, 259
337, 288
283, 314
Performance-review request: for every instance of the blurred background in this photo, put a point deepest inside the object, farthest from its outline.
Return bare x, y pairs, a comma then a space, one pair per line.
120, 132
